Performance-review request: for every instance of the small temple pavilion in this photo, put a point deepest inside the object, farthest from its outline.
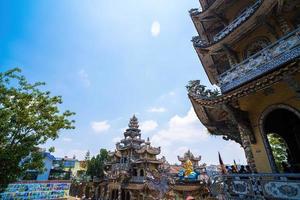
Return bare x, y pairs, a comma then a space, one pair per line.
191, 178
189, 156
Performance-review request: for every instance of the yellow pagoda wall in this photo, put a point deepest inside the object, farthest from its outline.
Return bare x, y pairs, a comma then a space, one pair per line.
255, 105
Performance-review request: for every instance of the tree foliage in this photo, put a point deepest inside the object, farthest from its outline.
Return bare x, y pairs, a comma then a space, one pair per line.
51, 149
279, 149
96, 165
29, 117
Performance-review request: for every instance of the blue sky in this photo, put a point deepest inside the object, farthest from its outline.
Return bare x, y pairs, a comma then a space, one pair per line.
109, 60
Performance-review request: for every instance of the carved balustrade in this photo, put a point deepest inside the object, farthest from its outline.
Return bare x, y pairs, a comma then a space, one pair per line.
257, 186
137, 179
248, 12
273, 56
237, 21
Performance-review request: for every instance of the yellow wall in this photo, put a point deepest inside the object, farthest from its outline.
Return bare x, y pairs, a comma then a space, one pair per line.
255, 104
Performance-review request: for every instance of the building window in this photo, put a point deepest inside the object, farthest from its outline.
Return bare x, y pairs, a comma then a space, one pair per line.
281, 126
134, 172
141, 172
255, 46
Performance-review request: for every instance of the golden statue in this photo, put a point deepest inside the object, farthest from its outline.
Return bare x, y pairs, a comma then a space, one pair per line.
188, 168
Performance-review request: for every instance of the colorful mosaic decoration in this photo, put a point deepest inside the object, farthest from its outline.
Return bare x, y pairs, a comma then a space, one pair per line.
36, 190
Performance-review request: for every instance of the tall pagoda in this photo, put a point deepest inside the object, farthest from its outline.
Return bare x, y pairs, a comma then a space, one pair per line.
250, 49
129, 163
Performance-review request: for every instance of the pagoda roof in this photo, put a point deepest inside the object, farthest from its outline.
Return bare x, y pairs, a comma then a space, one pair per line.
120, 147
132, 140
211, 111
133, 128
189, 156
149, 149
115, 153
152, 150
144, 160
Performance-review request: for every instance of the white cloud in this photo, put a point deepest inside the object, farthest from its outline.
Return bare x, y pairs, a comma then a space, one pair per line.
67, 139
84, 77
101, 126
155, 28
147, 126
79, 153
233, 151
181, 129
180, 133
157, 110
172, 93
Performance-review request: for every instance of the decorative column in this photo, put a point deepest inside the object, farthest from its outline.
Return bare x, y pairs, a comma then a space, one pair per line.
247, 148
244, 126
119, 193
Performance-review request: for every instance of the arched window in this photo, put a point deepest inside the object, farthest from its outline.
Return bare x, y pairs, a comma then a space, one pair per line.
255, 46
281, 127
134, 172
141, 172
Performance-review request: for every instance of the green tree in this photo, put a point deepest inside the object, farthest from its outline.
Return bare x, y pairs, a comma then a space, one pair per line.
29, 117
279, 149
96, 165
87, 156
51, 149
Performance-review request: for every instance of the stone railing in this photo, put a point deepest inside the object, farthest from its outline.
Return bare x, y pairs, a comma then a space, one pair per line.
137, 179
256, 186
198, 42
237, 21
273, 56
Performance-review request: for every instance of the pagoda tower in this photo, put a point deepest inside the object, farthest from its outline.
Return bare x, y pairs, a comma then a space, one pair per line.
128, 165
132, 141
250, 49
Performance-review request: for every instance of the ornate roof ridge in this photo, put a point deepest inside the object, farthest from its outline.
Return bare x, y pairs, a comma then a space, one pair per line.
189, 156
149, 149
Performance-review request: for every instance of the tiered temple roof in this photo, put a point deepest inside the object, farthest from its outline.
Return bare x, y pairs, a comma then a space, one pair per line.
133, 150
134, 167
189, 156
245, 47
132, 137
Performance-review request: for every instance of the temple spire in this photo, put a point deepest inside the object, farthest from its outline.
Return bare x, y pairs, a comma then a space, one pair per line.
133, 123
